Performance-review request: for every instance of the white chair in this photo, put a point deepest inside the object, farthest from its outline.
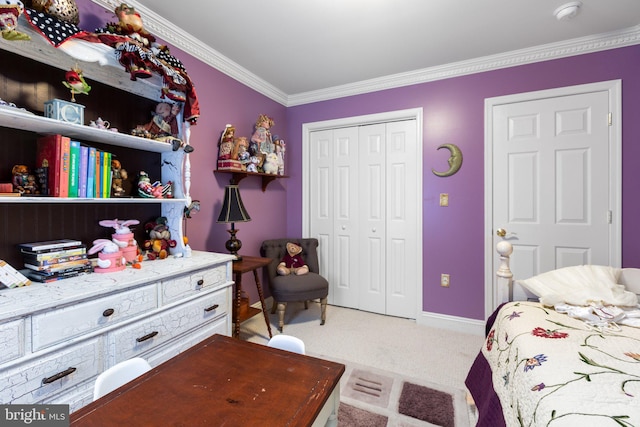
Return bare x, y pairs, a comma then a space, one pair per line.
118, 375
288, 343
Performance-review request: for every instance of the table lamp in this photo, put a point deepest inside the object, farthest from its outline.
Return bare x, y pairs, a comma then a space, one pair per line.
233, 211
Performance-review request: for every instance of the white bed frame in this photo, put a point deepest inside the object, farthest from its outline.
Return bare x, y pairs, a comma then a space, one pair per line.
629, 277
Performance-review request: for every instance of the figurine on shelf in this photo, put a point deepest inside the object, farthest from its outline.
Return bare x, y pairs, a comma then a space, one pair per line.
159, 241
123, 237
23, 181
164, 127
280, 147
155, 190
270, 165
9, 13
110, 256
64, 10
227, 150
99, 123
74, 81
254, 164
225, 147
142, 56
241, 151
262, 134
118, 178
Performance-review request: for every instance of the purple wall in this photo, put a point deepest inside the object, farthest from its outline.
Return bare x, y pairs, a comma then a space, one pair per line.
453, 113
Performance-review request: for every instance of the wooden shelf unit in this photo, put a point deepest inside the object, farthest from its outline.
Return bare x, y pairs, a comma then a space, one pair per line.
237, 176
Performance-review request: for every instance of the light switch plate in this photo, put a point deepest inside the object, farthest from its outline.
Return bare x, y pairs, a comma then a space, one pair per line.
444, 199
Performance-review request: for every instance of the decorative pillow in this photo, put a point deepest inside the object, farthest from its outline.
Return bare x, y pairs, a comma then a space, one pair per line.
581, 285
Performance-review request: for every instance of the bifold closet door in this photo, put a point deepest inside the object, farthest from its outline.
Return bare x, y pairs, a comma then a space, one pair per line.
334, 210
388, 218
363, 210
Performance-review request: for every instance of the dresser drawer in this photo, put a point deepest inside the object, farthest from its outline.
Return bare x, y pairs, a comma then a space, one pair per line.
11, 340
220, 326
62, 324
51, 374
184, 286
145, 335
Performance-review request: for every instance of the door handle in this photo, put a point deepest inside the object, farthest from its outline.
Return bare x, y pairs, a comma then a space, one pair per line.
501, 232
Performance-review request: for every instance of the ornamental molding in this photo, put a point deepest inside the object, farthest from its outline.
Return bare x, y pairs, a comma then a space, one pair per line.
166, 31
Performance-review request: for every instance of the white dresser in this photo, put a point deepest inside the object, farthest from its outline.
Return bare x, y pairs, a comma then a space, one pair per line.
55, 338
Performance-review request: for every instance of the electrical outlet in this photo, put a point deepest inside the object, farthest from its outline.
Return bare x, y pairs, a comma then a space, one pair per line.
444, 199
444, 280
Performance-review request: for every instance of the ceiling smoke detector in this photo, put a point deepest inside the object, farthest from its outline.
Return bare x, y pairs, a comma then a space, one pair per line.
567, 11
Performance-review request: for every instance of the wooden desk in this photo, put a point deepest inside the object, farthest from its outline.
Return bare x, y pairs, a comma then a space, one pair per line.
223, 380
245, 265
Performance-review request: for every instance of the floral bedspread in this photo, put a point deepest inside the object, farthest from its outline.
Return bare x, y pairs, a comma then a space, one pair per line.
553, 370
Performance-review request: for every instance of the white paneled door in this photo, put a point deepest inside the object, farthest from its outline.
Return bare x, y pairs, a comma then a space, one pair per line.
553, 186
364, 210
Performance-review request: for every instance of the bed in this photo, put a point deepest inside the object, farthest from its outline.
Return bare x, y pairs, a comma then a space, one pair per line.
557, 363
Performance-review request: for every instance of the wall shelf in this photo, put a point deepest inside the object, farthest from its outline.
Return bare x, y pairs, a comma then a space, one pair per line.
237, 176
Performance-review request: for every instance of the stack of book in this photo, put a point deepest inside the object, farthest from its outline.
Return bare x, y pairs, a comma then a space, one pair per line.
73, 170
55, 259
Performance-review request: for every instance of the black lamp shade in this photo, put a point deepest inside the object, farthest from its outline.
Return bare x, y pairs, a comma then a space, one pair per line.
232, 207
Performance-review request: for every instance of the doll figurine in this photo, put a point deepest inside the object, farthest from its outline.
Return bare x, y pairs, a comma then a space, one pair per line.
241, 151
262, 135
226, 145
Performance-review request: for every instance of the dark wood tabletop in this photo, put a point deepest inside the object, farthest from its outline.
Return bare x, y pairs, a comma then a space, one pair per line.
220, 381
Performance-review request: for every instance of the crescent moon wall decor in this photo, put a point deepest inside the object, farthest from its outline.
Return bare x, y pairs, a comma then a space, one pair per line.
455, 160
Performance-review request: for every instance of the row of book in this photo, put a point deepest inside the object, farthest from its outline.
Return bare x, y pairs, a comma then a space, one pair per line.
54, 260
70, 169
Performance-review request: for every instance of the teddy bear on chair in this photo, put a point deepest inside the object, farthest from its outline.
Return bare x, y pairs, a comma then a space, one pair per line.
292, 262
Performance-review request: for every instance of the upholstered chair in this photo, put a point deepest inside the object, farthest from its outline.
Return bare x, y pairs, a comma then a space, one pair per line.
290, 288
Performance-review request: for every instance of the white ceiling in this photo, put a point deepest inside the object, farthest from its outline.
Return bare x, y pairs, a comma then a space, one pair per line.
296, 47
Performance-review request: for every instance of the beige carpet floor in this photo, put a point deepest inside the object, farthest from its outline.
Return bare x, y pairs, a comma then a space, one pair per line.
392, 344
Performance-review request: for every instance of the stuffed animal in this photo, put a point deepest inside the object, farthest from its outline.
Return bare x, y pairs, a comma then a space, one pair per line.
271, 164
292, 262
23, 181
159, 239
110, 256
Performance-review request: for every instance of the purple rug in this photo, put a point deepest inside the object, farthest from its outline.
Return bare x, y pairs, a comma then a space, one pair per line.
350, 416
427, 404
375, 398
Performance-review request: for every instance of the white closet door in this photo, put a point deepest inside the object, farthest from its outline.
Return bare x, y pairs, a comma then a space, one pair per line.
321, 198
373, 233
402, 157
334, 210
364, 211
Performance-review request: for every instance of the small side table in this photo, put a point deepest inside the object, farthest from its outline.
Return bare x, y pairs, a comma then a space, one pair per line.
245, 265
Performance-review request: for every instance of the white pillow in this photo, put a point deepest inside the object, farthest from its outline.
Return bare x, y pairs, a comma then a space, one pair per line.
581, 285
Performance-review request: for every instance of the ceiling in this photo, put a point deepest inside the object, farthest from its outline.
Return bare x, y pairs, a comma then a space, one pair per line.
302, 46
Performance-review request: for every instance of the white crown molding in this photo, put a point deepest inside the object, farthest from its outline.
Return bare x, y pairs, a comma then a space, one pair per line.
179, 38
168, 32
580, 46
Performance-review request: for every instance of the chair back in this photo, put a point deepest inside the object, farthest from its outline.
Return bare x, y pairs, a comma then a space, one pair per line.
119, 375
288, 343
277, 248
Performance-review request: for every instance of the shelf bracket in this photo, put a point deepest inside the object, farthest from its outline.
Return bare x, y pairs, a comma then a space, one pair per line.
237, 176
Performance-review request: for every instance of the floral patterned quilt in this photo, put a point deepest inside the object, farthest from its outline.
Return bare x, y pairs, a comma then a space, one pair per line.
549, 369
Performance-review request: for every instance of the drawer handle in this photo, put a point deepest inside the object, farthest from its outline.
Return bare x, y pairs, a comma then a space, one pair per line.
59, 375
147, 337
200, 282
213, 307
108, 312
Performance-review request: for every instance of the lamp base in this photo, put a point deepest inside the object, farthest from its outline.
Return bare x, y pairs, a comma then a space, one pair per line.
233, 245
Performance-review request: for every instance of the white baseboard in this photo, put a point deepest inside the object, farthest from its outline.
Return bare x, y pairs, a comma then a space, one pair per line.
454, 323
